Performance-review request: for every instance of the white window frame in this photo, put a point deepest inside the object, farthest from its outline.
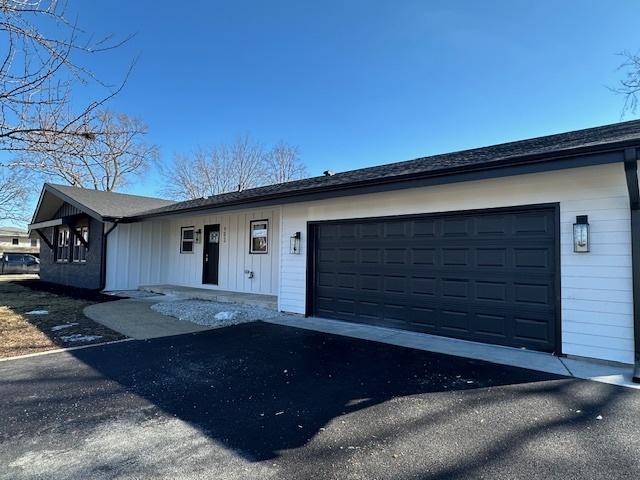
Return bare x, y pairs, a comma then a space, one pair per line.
191, 240
79, 249
265, 236
62, 245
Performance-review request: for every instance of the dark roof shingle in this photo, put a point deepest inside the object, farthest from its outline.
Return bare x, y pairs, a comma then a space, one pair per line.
485, 157
110, 204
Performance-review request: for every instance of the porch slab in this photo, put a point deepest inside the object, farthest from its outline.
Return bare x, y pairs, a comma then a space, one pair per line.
224, 296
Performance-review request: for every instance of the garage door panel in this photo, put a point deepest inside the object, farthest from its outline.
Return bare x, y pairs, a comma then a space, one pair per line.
491, 257
424, 228
536, 258
487, 277
491, 225
490, 325
491, 291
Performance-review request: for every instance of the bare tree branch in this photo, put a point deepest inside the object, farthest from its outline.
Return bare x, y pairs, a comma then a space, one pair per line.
38, 72
283, 164
629, 85
237, 166
108, 151
14, 192
43, 58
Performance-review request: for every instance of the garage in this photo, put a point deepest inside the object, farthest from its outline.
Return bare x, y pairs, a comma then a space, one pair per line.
489, 276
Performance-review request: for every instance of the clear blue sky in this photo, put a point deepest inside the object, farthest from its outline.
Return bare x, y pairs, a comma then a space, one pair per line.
359, 83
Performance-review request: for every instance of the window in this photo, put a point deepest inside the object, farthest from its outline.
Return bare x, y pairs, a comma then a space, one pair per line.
186, 240
79, 249
62, 245
15, 241
259, 236
34, 242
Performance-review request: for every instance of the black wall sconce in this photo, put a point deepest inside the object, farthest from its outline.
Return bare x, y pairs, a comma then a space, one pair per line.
198, 235
581, 234
294, 244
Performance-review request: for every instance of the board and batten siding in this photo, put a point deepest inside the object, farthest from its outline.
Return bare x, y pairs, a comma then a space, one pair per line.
148, 253
596, 287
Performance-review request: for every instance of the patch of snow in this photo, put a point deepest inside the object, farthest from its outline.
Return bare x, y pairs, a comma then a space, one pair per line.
37, 312
599, 417
63, 326
77, 337
226, 315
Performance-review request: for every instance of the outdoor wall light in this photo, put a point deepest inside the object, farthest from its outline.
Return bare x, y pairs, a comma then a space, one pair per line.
294, 244
198, 235
581, 234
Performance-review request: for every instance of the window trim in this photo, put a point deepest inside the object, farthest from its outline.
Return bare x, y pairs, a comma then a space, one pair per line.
84, 232
60, 256
251, 250
191, 240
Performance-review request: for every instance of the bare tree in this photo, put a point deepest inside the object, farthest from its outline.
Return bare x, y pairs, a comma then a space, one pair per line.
629, 86
14, 192
201, 174
283, 164
41, 63
218, 169
43, 59
105, 158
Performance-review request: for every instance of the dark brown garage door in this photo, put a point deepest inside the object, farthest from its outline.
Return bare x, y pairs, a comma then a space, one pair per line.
488, 277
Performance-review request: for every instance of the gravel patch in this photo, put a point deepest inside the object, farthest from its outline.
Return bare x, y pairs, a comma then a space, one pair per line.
215, 314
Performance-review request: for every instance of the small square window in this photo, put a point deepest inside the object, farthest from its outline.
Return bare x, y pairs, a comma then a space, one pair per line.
259, 236
15, 241
186, 239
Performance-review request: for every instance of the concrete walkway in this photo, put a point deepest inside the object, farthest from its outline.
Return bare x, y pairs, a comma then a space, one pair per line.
615, 374
135, 319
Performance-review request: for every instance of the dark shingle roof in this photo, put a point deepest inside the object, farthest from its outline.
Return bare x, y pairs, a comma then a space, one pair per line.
597, 138
109, 204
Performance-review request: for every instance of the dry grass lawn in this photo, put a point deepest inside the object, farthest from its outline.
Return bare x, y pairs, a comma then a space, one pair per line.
22, 334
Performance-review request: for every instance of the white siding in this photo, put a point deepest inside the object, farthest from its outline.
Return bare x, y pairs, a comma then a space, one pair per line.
596, 287
148, 252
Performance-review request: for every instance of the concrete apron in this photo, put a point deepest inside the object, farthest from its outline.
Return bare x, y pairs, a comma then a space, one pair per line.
135, 319
616, 374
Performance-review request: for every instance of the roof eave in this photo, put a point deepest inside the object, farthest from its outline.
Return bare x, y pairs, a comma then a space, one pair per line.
518, 161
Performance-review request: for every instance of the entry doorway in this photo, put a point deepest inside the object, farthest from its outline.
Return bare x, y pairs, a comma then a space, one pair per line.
211, 254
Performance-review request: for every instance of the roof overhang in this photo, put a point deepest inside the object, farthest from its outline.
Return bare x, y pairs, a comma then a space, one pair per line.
48, 223
582, 157
51, 199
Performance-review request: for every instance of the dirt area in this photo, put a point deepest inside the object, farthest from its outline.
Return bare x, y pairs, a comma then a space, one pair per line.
63, 324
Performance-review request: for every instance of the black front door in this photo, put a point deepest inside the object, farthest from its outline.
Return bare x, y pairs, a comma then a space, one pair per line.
211, 254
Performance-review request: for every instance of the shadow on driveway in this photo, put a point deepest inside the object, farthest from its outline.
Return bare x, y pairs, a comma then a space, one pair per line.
268, 392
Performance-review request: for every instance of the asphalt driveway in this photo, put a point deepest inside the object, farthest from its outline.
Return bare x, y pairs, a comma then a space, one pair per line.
266, 401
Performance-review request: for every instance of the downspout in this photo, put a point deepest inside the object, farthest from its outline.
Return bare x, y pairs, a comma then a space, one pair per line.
631, 173
103, 266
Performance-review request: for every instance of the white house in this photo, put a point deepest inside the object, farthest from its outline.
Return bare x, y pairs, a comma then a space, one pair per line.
16, 240
531, 244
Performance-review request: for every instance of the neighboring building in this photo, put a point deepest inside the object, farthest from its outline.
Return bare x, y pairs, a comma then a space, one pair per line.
73, 224
478, 245
16, 240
